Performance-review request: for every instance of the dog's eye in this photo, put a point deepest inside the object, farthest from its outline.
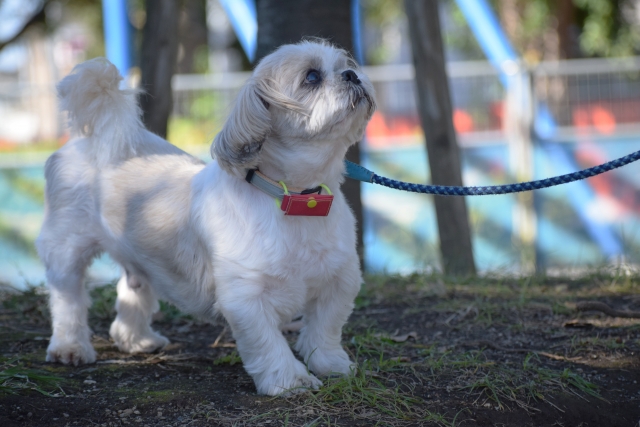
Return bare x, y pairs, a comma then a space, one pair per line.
313, 77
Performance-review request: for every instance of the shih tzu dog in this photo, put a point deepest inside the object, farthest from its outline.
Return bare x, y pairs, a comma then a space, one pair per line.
258, 235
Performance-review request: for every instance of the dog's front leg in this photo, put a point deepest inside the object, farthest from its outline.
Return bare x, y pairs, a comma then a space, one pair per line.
255, 322
324, 316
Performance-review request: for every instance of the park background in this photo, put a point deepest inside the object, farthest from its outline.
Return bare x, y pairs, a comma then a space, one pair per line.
575, 104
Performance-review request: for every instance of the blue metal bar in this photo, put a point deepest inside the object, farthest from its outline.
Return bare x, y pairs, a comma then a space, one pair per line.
489, 34
244, 20
356, 29
117, 34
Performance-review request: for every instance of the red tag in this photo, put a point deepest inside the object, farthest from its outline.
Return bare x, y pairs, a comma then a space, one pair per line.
306, 204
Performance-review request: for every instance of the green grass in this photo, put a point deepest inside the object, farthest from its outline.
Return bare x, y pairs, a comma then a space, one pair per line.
15, 378
170, 313
103, 304
365, 397
585, 345
496, 300
501, 384
30, 304
230, 359
504, 386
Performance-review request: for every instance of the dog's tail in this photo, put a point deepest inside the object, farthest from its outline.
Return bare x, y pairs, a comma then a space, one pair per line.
101, 111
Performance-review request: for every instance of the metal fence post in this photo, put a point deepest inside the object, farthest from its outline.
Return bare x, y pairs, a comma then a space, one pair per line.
518, 125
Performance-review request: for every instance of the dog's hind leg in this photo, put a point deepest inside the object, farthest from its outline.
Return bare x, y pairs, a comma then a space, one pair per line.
68, 300
131, 330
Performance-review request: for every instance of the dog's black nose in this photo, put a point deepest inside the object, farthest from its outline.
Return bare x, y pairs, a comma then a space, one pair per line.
350, 76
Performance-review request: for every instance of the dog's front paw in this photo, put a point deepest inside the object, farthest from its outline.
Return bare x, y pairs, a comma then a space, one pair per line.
329, 363
132, 341
66, 352
286, 383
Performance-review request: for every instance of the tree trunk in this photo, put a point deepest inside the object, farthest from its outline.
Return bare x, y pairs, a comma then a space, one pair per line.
436, 116
285, 21
192, 34
568, 32
158, 63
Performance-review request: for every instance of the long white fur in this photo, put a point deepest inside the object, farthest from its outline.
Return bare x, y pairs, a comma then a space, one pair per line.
199, 235
98, 108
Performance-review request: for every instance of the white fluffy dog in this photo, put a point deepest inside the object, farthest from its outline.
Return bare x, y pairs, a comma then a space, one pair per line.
201, 236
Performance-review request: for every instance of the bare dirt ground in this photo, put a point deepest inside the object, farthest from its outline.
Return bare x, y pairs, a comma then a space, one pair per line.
430, 350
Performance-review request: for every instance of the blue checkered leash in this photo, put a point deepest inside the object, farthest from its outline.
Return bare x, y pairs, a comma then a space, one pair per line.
359, 173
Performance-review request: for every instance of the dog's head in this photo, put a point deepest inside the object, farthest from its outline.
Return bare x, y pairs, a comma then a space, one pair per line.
302, 94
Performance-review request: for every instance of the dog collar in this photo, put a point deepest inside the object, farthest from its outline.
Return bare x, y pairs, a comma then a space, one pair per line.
273, 188
291, 200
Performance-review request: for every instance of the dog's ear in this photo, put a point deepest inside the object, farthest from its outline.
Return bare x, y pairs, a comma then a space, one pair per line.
237, 146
